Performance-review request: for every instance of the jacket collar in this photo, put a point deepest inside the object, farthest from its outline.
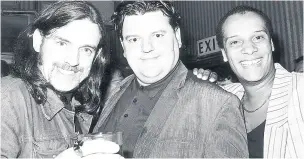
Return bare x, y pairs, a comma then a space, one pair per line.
53, 104
178, 81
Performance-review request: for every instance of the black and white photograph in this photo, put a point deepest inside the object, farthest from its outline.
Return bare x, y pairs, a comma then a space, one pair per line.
152, 79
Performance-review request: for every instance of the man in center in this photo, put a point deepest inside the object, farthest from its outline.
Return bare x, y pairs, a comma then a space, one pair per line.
162, 110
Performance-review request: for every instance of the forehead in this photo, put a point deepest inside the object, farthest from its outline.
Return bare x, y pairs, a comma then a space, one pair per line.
243, 23
80, 31
150, 21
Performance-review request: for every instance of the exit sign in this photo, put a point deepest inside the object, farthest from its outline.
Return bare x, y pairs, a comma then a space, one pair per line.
207, 46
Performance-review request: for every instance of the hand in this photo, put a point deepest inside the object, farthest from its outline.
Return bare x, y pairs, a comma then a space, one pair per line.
92, 149
205, 74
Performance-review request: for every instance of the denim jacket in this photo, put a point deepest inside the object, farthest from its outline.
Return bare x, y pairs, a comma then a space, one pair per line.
31, 130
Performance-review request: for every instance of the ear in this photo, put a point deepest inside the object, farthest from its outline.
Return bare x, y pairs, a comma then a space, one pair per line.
224, 55
272, 46
178, 37
37, 40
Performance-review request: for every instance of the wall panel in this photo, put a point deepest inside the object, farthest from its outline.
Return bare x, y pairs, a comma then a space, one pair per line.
200, 19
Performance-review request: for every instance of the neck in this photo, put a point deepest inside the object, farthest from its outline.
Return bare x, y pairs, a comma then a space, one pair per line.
259, 91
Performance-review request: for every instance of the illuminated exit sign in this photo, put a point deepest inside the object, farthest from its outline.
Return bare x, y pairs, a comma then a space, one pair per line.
207, 46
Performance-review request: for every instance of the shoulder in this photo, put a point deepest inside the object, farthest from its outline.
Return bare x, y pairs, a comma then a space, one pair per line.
208, 99
14, 92
298, 83
235, 88
206, 87
10, 83
209, 93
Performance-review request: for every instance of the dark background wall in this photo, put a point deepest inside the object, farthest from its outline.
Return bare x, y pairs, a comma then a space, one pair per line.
199, 19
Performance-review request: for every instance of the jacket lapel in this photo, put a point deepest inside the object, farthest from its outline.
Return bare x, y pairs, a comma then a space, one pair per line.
160, 114
112, 100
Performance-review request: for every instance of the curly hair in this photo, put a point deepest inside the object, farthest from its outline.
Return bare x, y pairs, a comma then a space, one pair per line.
26, 60
127, 8
240, 10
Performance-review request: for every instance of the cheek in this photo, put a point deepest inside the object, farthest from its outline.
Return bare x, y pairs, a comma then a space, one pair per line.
86, 62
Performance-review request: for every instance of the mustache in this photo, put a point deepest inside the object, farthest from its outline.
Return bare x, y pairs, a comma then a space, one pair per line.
68, 67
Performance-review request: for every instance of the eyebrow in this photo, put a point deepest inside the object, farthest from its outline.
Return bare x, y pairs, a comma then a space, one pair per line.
60, 38
162, 31
261, 31
128, 36
93, 47
65, 40
258, 31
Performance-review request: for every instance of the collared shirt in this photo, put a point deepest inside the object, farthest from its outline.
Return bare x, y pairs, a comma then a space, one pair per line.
133, 109
31, 130
284, 128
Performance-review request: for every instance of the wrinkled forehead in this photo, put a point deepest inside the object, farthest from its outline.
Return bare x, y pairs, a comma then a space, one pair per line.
79, 31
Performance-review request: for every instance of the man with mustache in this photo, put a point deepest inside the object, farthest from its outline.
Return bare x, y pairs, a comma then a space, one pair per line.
54, 91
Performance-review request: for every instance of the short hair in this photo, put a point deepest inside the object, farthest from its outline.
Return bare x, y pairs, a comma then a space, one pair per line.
26, 60
240, 10
127, 8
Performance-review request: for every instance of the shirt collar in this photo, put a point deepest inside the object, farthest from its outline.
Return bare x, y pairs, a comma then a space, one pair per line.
153, 89
53, 104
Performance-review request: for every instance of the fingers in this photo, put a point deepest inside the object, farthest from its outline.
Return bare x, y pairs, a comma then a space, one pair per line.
213, 77
195, 71
90, 147
205, 74
99, 146
103, 156
200, 73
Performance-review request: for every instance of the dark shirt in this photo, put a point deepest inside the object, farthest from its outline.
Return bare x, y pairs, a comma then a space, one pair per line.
132, 111
256, 141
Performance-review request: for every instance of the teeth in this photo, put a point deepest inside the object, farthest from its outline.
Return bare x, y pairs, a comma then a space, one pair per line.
251, 62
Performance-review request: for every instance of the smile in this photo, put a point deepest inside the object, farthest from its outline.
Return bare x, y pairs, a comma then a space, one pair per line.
150, 58
251, 62
64, 71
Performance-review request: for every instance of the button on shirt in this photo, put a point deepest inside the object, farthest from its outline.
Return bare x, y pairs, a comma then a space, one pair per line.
132, 111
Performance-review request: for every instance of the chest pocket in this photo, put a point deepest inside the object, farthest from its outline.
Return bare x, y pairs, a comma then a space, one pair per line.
49, 148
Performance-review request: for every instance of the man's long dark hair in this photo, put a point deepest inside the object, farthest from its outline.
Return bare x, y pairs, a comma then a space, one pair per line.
27, 60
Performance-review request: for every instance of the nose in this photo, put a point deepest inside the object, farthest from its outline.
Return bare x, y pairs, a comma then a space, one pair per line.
147, 46
72, 57
249, 48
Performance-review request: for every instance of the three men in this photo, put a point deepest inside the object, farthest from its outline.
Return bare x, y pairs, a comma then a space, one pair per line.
162, 110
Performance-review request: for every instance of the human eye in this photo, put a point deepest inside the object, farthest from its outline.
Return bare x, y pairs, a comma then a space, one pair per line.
158, 35
61, 43
234, 43
86, 50
258, 38
133, 39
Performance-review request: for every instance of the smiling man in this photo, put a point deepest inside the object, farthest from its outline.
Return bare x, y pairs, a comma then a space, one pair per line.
54, 93
162, 110
272, 97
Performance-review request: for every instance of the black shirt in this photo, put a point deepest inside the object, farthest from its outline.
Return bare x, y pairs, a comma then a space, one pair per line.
132, 111
256, 141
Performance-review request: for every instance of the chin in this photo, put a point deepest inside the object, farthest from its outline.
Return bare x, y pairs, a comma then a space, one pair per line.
64, 87
252, 78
